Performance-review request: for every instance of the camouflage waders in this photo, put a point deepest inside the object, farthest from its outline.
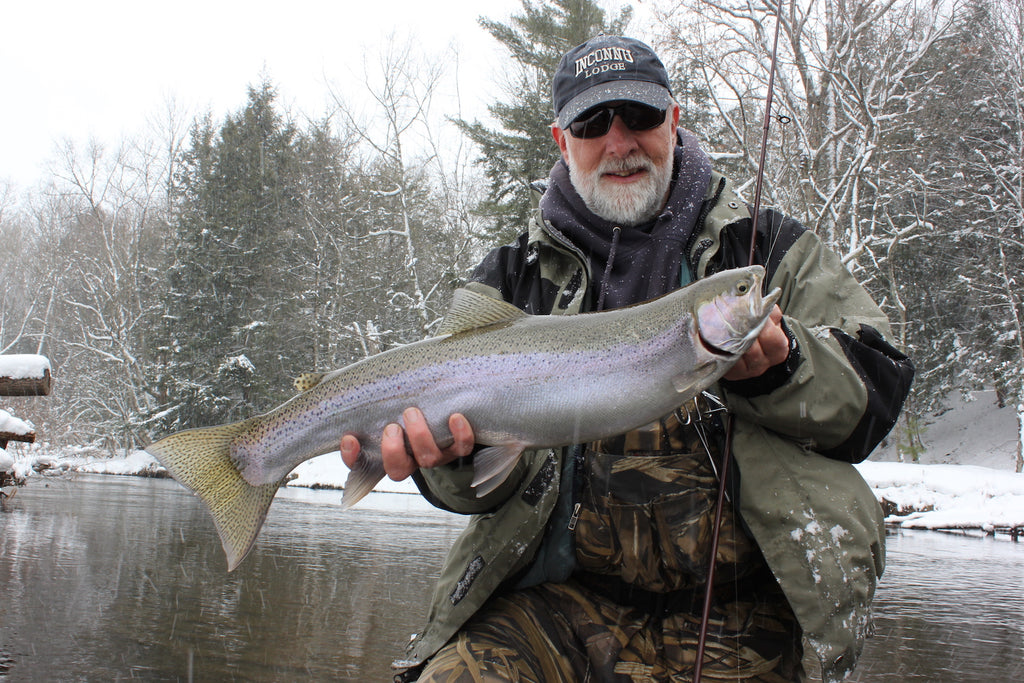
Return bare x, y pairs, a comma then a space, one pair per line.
632, 611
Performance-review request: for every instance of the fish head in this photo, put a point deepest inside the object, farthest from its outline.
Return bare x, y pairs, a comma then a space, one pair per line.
733, 312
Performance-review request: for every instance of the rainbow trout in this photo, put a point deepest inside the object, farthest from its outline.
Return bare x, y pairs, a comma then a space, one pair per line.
522, 381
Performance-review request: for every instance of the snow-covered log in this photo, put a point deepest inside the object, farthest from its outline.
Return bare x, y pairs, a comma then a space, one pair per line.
13, 429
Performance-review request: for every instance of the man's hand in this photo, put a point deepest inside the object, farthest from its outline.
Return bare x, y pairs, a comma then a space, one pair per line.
770, 349
400, 462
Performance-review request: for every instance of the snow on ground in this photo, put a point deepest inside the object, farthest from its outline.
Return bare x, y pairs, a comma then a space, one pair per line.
972, 432
947, 496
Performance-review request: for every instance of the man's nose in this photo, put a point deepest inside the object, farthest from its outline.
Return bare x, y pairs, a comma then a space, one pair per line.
619, 140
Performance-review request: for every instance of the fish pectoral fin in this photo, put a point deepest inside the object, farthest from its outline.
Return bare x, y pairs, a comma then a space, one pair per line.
691, 383
471, 310
308, 380
492, 465
361, 480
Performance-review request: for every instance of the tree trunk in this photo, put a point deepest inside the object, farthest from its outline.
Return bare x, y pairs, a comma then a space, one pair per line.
1020, 437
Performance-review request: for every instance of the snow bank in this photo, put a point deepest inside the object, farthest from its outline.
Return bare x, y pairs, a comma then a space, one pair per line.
972, 432
138, 463
328, 471
947, 496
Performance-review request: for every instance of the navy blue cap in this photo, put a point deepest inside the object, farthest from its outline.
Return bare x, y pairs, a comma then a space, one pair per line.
608, 69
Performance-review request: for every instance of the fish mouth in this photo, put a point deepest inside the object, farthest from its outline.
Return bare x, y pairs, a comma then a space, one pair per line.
736, 346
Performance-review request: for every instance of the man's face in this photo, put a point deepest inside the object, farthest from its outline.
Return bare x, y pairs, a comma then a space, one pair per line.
624, 175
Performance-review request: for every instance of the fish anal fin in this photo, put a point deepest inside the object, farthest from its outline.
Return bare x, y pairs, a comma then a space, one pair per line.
361, 480
492, 465
471, 310
308, 380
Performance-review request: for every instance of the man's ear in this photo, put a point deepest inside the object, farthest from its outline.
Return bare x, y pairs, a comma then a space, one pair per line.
559, 135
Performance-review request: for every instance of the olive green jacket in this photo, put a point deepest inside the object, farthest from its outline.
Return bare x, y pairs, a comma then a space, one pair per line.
815, 519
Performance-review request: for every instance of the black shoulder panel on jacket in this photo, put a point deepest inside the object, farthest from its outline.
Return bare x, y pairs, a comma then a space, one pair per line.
514, 270
887, 373
776, 234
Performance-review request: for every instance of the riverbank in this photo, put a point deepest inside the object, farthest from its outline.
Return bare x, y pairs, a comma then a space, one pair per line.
948, 497
965, 498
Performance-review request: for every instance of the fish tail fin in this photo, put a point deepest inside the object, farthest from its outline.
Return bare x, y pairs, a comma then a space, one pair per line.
200, 460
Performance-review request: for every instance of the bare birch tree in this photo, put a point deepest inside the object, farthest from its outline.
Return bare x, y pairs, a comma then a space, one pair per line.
414, 225
849, 73
854, 79
111, 258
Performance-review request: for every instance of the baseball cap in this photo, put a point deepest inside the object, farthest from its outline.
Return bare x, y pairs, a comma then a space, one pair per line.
607, 69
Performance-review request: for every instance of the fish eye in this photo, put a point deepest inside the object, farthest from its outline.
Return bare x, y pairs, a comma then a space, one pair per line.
743, 288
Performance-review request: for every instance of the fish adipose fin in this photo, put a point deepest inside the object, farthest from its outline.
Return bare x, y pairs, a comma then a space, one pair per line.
492, 465
470, 311
361, 480
199, 459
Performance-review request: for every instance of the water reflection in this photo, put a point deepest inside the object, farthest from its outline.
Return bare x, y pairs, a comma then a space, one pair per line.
114, 578
950, 608
110, 578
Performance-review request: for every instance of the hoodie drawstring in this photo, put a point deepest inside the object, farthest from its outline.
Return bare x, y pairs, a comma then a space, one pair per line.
616, 231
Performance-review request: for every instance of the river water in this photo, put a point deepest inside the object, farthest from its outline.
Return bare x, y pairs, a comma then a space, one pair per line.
120, 578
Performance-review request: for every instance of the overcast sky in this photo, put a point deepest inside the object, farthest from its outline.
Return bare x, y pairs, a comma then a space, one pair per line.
98, 69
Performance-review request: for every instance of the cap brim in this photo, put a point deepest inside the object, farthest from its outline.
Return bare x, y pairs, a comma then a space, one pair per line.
643, 92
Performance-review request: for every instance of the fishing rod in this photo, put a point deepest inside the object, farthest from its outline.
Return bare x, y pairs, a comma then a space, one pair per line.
716, 528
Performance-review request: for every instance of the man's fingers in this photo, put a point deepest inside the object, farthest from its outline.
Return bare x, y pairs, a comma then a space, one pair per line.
770, 349
463, 436
751, 364
773, 341
349, 450
397, 461
425, 450
406, 447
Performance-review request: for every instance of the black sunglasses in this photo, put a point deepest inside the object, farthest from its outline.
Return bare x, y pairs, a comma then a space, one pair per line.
597, 121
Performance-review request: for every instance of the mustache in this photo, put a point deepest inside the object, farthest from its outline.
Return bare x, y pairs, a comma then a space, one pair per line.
635, 161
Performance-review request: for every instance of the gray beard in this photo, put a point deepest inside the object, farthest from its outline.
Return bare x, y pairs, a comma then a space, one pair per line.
627, 205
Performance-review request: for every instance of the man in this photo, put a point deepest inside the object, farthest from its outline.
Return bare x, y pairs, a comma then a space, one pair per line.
589, 563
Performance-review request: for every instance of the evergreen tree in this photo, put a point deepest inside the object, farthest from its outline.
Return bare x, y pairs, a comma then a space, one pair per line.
523, 151
232, 304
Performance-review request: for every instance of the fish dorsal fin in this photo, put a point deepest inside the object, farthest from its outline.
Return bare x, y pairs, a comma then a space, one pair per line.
308, 380
470, 310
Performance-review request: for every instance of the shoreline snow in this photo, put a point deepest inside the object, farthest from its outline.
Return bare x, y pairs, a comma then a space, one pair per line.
933, 496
